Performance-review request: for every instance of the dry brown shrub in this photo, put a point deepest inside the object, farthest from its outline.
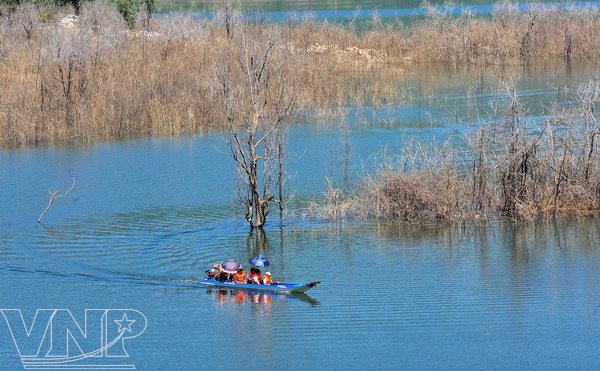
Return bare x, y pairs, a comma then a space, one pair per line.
514, 169
511, 36
415, 197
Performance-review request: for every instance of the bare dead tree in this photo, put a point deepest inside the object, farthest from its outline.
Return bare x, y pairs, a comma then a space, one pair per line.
480, 170
589, 99
519, 153
346, 156
68, 54
54, 195
281, 171
28, 17
257, 97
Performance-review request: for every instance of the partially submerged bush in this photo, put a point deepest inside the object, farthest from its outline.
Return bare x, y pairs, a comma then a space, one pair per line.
416, 197
513, 169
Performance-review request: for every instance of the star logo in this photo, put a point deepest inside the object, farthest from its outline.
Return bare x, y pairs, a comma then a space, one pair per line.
124, 327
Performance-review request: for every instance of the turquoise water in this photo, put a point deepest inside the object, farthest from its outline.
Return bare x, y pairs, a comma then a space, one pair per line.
146, 216
346, 10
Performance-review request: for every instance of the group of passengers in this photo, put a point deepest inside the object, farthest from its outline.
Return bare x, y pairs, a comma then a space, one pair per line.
254, 276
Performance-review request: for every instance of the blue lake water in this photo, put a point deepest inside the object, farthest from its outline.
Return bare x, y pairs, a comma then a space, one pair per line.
347, 10
148, 215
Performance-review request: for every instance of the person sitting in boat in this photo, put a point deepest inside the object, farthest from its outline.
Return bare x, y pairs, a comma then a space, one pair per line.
250, 277
223, 276
214, 271
257, 278
239, 276
267, 279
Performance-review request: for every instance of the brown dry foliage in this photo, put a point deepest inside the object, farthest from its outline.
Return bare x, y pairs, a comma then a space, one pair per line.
513, 168
543, 31
94, 79
416, 196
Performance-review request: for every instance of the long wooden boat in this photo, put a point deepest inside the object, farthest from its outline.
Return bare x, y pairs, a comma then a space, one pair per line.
283, 287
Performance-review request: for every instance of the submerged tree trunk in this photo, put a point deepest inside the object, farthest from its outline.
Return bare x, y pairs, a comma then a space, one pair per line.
257, 97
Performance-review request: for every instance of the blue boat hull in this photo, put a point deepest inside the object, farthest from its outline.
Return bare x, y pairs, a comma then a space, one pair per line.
283, 287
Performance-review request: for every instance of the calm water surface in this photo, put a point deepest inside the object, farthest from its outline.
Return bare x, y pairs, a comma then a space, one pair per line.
343, 10
147, 215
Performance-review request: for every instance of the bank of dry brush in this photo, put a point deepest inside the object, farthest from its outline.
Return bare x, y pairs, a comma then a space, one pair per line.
92, 78
66, 79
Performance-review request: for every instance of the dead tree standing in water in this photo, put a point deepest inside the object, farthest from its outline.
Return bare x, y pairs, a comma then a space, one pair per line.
257, 97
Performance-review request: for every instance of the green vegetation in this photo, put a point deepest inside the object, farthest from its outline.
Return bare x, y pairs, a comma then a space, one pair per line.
129, 9
76, 4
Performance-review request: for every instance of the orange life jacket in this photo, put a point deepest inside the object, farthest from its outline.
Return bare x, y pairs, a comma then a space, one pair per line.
240, 277
267, 280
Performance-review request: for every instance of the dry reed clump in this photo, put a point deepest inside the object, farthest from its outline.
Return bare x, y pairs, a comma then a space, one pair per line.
415, 197
353, 56
513, 168
425, 186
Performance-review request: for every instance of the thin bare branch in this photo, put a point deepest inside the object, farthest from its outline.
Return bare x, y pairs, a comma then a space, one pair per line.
54, 195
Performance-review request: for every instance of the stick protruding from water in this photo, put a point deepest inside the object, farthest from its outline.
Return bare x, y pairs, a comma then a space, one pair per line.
53, 196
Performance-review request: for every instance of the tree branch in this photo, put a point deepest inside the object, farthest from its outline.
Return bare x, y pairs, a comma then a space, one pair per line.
53, 197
